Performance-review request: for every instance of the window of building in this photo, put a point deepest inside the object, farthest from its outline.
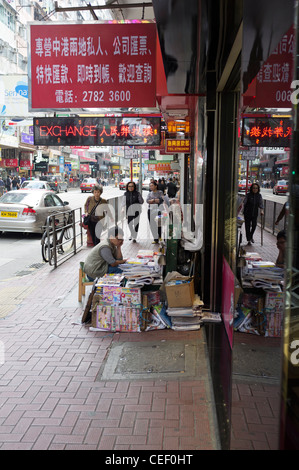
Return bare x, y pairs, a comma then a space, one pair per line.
7, 18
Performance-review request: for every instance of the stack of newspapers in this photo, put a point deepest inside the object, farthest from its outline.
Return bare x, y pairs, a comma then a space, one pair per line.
142, 271
264, 275
191, 318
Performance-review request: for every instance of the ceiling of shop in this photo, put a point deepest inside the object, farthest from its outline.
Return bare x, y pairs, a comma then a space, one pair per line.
132, 9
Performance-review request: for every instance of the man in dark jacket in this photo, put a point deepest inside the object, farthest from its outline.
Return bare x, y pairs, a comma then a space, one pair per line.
171, 189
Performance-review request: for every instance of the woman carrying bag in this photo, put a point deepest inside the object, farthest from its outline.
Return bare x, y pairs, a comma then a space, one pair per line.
253, 201
94, 213
132, 204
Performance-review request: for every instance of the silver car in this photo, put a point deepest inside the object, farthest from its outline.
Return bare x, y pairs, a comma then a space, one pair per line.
35, 184
26, 210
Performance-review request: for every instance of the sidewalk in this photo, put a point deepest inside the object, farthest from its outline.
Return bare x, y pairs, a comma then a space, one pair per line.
52, 395
256, 376
58, 390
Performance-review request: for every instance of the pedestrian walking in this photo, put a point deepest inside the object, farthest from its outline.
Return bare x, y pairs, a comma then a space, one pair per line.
155, 199
162, 185
15, 183
132, 204
253, 201
171, 189
8, 183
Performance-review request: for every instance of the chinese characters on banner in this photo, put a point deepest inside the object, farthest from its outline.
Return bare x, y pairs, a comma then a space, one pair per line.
159, 167
178, 146
266, 132
271, 88
97, 131
93, 65
9, 163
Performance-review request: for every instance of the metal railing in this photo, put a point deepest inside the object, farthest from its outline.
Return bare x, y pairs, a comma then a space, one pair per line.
62, 238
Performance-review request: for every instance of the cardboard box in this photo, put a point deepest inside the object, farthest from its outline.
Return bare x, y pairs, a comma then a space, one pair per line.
180, 295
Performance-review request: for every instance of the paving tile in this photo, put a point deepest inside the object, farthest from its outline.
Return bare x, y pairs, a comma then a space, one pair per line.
50, 398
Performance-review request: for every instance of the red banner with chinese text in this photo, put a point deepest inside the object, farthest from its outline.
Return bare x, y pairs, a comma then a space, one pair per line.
271, 88
93, 65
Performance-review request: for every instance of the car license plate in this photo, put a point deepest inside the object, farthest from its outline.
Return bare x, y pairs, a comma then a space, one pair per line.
9, 214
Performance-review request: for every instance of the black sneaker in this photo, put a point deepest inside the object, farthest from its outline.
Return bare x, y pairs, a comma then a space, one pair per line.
252, 241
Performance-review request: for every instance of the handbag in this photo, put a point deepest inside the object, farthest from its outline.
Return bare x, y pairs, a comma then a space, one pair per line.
87, 218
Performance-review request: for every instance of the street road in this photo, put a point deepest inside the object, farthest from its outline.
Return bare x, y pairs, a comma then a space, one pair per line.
21, 253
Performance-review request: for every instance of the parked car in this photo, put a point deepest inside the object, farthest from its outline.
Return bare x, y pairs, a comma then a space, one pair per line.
281, 187
146, 183
88, 184
242, 185
35, 184
26, 210
57, 183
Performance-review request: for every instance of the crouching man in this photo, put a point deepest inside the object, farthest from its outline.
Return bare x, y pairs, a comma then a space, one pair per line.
106, 256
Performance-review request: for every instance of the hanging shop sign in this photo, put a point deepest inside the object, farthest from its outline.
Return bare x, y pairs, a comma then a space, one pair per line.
84, 168
271, 88
92, 65
159, 167
178, 146
97, 131
178, 126
9, 163
266, 132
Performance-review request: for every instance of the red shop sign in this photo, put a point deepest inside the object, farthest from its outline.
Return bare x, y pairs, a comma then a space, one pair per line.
9, 162
93, 65
271, 88
84, 168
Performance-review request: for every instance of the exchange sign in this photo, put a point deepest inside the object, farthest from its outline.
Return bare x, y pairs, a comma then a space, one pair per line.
92, 131
266, 132
93, 65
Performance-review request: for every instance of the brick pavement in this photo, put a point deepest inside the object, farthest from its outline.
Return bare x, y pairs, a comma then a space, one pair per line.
50, 394
51, 398
256, 401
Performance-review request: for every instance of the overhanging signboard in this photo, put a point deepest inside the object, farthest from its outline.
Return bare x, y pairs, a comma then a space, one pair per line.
93, 131
178, 146
92, 65
266, 132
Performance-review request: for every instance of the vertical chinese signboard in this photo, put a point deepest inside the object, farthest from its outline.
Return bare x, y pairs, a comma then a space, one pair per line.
92, 65
271, 88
